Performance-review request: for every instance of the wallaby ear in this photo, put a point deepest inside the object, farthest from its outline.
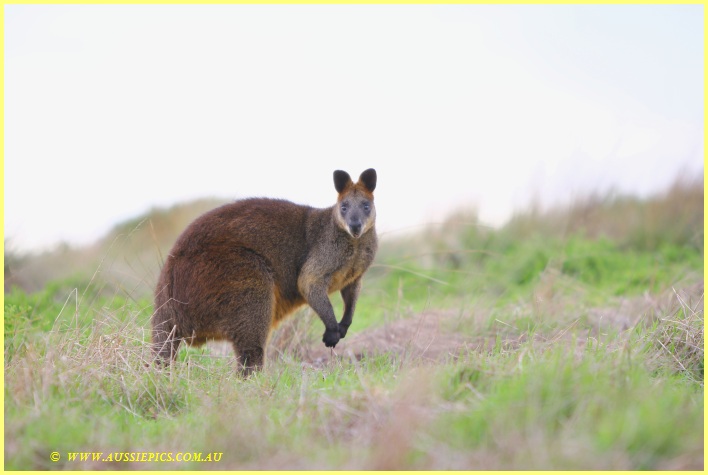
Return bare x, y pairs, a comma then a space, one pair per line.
341, 180
368, 178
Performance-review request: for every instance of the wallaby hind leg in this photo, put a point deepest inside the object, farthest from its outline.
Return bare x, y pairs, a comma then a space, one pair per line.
246, 304
250, 360
250, 339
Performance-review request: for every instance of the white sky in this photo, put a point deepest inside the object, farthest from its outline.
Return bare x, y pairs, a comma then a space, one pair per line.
110, 110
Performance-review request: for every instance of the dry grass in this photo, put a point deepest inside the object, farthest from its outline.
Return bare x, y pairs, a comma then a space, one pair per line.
676, 343
673, 216
107, 359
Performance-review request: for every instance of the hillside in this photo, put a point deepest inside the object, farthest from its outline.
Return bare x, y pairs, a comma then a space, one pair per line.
128, 256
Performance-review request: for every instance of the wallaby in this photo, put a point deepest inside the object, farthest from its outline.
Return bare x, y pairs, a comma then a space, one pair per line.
240, 269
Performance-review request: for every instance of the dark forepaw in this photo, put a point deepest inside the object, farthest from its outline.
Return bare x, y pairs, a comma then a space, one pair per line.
331, 337
343, 330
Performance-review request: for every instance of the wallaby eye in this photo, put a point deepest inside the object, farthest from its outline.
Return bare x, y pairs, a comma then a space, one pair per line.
367, 207
344, 207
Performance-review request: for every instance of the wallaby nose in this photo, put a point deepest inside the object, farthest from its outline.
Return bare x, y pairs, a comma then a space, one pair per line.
355, 228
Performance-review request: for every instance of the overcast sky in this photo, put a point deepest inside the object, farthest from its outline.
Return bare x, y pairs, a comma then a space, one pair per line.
110, 110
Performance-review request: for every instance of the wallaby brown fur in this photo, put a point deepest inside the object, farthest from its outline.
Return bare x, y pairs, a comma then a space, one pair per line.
240, 269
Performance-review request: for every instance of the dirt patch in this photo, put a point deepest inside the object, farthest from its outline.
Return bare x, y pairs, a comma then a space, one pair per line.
427, 336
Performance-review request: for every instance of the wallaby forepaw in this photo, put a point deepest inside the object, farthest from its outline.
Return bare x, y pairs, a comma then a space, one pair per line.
343, 330
330, 338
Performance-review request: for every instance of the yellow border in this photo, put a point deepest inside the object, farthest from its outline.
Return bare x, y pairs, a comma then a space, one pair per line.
353, 2
2, 226
285, 2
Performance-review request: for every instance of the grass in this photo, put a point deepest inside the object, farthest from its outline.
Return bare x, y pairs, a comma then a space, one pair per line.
553, 343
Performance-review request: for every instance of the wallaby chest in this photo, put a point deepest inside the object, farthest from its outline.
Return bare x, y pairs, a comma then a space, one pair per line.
354, 260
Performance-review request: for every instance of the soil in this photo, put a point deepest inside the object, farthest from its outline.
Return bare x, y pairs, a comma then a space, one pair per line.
428, 336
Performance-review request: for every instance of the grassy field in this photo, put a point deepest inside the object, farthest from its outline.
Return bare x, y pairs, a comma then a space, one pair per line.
569, 339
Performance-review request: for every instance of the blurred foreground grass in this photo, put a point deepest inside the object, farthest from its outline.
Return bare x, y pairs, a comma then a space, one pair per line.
567, 339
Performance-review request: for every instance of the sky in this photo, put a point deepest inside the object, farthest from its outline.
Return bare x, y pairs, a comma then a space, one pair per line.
113, 109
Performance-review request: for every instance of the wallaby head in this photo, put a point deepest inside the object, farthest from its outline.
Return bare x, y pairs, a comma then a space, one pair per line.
355, 212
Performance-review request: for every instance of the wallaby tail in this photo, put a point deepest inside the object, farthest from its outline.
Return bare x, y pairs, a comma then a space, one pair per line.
165, 340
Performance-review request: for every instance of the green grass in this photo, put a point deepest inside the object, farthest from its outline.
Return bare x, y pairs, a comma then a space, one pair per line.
582, 349
539, 406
